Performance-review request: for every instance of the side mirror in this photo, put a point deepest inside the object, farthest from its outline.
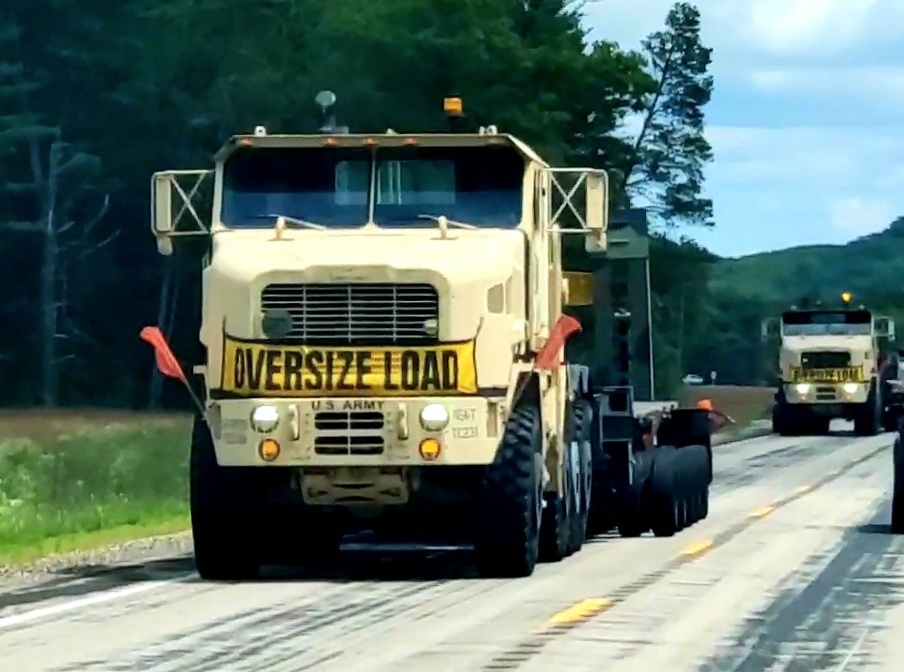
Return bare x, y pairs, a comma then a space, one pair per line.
162, 213
161, 205
597, 210
885, 327
769, 327
190, 191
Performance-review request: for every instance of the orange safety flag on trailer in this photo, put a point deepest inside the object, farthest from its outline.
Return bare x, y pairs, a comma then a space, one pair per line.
717, 419
548, 356
166, 360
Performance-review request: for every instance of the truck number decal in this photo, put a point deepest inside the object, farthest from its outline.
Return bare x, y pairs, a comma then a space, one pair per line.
258, 370
846, 375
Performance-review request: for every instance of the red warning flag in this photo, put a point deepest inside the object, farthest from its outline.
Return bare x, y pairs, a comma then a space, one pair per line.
548, 356
166, 360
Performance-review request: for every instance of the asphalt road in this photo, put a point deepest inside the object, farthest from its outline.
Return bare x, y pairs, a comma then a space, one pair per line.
793, 570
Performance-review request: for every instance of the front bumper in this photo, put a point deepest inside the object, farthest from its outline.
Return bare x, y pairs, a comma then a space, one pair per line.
826, 393
340, 432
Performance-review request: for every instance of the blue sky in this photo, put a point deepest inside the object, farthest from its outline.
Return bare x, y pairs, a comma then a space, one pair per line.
806, 120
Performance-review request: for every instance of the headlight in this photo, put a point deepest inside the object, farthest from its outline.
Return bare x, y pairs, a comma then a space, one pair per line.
434, 417
850, 388
264, 419
802, 388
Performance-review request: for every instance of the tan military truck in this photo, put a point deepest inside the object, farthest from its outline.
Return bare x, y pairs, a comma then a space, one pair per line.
833, 365
374, 308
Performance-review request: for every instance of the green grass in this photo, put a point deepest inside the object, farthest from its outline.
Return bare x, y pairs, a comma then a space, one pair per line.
92, 484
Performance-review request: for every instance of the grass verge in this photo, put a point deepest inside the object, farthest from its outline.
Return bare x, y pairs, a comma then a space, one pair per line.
74, 482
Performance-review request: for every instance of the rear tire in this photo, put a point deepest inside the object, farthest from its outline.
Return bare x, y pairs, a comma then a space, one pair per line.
704, 504
223, 501
666, 514
506, 544
631, 515
585, 477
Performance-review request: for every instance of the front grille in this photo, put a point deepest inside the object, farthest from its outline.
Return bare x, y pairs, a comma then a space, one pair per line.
825, 360
358, 313
343, 421
348, 445
333, 429
826, 393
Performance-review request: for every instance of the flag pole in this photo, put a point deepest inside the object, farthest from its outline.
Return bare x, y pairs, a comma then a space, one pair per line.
196, 400
167, 363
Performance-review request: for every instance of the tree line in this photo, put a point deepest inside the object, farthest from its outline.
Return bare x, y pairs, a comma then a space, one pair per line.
96, 96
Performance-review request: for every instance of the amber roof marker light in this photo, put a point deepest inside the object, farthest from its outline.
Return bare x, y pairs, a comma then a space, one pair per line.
454, 108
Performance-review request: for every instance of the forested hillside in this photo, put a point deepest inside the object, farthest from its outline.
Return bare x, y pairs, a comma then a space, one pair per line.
96, 96
868, 266
750, 288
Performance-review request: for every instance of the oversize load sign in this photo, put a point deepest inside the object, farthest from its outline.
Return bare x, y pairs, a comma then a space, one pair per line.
259, 370
845, 375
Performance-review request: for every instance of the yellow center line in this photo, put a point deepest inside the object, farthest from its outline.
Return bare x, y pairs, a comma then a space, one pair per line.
698, 548
580, 611
762, 512
591, 606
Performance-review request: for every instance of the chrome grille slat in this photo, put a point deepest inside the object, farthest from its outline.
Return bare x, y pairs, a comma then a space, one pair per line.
356, 313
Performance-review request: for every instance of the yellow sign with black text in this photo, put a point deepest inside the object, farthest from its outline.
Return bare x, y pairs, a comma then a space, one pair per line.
253, 369
852, 374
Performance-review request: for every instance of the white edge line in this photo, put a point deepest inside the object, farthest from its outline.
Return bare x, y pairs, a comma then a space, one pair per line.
74, 605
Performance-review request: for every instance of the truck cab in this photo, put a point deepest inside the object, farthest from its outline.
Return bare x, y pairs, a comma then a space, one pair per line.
832, 365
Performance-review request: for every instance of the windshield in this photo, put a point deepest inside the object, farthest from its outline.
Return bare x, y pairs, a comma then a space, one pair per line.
824, 323
481, 186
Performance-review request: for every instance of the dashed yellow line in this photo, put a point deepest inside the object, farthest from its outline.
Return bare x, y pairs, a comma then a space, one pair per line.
580, 611
762, 512
588, 608
698, 548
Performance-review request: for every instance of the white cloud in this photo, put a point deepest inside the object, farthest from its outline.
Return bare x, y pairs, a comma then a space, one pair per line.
802, 90
802, 30
814, 158
793, 27
883, 84
857, 216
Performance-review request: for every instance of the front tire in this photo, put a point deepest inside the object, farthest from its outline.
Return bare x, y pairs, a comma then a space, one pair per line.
897, 500
506, 544
222, 502
897, 511
868, 418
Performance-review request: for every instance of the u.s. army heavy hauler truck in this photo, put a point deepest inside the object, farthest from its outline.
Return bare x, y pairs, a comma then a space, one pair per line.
374, 309
833, 366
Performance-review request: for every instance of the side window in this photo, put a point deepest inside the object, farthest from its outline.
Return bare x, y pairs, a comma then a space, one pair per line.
351, 183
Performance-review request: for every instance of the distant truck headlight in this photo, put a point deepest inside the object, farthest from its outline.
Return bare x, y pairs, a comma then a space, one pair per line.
434, 417
850, 388
802, 388
264, 419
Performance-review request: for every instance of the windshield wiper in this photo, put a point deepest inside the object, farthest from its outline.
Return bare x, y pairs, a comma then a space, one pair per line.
284, 222
444, 223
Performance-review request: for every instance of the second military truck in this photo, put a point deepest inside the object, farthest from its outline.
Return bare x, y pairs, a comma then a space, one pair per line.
383, 320
835, 363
